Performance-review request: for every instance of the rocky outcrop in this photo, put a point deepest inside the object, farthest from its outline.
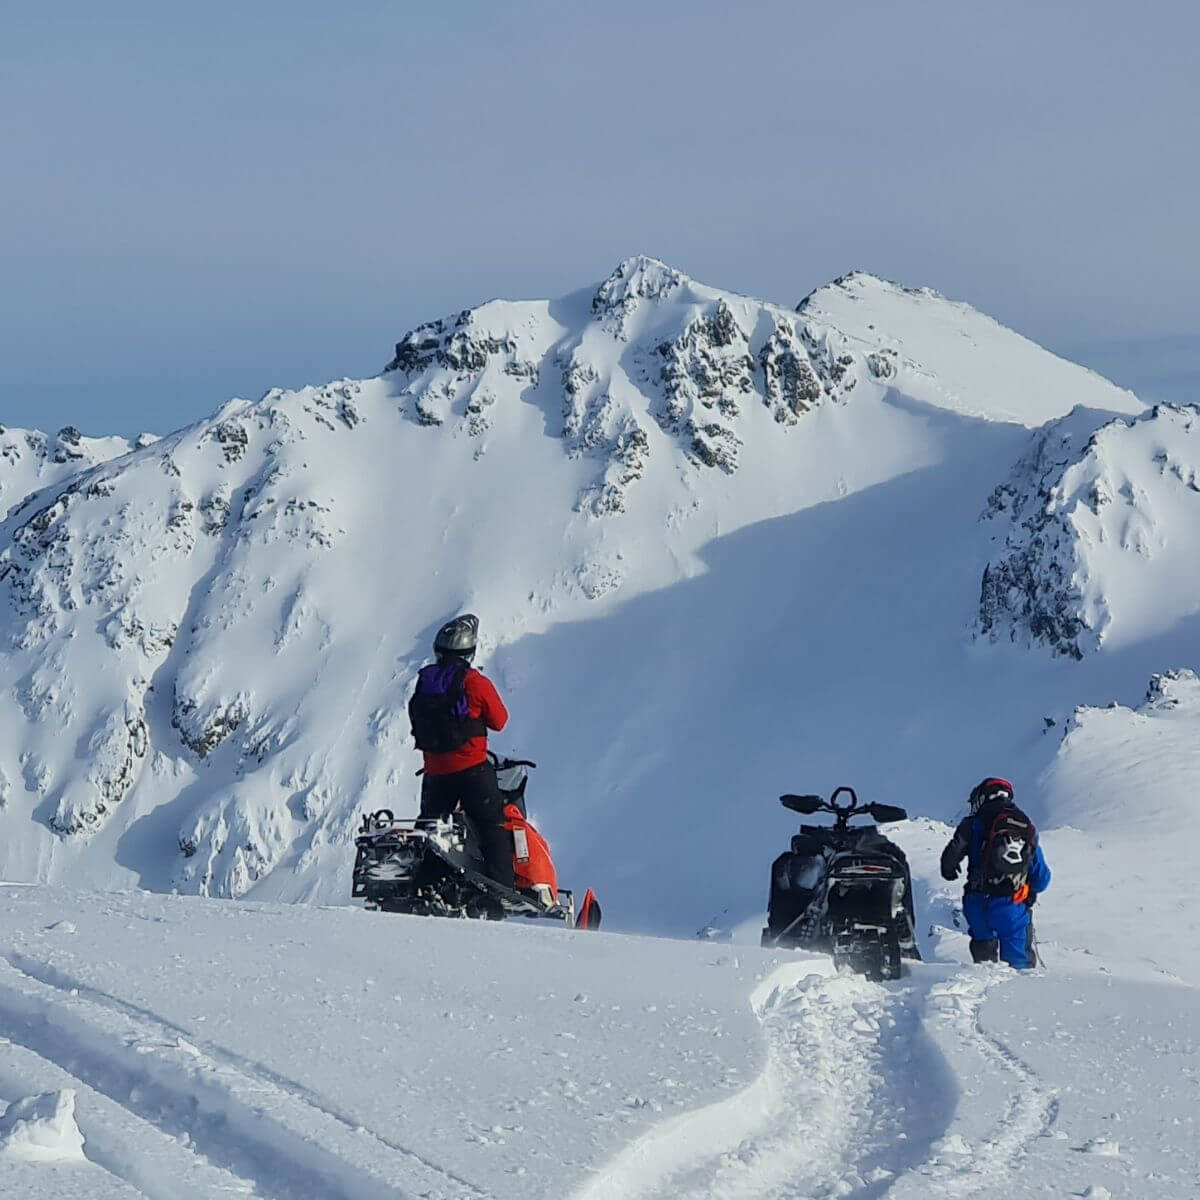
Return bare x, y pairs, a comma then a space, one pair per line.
1088, 514
654, 349
115, 753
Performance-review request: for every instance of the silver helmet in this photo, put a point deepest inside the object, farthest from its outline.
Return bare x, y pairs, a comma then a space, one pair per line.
458, 637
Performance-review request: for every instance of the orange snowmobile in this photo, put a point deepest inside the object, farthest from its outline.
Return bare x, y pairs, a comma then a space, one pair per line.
434, 868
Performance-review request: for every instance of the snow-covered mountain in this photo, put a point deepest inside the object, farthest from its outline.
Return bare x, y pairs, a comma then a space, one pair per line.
1101, 544
720, 548
31, 460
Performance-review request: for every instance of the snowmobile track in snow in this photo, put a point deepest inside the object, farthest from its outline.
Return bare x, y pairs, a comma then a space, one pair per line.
236, 1114
821, 1120
856, 1099
955, 1006
157, 1165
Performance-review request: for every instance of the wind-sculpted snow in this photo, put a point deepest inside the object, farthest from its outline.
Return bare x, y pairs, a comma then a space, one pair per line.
1099, 544
210, 639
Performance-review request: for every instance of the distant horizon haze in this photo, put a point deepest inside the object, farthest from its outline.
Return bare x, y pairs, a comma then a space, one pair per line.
208, 203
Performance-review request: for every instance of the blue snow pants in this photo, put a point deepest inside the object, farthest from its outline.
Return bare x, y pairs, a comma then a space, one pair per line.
997, 918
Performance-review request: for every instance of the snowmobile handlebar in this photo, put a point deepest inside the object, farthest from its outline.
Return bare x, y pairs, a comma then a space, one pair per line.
808, 804
501, 764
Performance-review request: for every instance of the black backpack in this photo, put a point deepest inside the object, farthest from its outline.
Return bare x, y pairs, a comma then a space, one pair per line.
1009, 840
438, 709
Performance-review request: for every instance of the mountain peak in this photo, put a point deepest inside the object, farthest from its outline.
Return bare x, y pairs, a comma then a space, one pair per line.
636, 279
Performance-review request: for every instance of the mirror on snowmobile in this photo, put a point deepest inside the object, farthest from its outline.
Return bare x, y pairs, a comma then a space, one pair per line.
883, 813
801, 804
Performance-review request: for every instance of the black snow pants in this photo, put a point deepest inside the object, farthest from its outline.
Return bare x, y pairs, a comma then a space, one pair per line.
478, 792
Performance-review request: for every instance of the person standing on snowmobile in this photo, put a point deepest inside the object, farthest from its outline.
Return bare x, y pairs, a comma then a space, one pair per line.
1006, 872
451, 711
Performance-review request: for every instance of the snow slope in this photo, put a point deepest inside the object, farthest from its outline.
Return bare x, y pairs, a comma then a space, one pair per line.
721, 549
979, 367
213, 1048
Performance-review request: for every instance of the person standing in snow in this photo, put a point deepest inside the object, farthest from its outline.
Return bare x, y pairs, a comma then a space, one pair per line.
451, 711
1006, 872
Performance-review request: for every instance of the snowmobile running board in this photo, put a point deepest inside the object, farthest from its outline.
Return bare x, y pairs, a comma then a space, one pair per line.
519, 905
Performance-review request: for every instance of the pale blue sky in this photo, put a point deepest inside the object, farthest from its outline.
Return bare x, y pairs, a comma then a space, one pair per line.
204, 200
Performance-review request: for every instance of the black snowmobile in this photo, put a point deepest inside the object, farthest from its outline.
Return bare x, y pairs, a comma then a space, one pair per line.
844, 889
435, 868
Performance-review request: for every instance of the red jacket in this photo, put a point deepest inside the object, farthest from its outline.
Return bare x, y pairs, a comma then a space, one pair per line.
482, 701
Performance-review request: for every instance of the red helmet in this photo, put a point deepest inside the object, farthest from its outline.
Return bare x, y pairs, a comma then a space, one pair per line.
989, 789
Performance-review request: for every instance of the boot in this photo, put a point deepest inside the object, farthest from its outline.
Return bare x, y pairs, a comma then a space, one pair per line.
983, 951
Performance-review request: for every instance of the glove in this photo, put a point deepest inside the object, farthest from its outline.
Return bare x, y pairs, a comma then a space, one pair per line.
950, 871
1031, 900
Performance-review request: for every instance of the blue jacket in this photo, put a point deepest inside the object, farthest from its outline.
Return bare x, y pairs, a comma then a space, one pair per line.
968, 842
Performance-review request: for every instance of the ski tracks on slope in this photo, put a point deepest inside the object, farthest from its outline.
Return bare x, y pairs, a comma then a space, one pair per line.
861, 1087
273, 1136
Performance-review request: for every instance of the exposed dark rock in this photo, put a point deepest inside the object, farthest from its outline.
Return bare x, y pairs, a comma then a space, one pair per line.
203, 734
634, 280
232, 437
790, 385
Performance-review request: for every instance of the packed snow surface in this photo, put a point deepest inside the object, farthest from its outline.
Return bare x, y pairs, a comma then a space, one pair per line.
208, 1048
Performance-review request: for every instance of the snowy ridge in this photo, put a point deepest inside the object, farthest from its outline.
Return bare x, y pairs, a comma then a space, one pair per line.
1122, 785
1100, 546
1148, 747
975, 365
31, 460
